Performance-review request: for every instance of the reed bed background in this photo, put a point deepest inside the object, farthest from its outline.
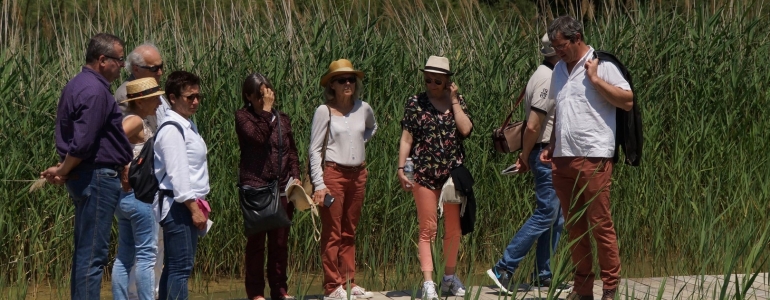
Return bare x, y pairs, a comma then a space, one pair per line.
697, 205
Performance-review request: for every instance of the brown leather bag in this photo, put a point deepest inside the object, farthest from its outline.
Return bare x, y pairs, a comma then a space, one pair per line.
307, 182
508, 137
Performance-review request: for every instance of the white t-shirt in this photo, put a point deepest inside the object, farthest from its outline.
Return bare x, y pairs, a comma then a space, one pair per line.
536, 97
585, 121
347, 137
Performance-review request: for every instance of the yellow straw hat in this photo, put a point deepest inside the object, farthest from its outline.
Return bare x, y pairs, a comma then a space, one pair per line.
142, 88
340, 66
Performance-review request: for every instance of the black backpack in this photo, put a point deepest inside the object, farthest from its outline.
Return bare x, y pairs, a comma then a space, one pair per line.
141, 174
628, 135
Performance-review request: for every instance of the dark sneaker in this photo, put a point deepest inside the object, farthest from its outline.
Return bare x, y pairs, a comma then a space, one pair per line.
546, 283
575, 296
609, 294
501, 277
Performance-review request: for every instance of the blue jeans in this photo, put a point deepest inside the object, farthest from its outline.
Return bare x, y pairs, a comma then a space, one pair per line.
137, 242
180, 237
95, 193
544, 226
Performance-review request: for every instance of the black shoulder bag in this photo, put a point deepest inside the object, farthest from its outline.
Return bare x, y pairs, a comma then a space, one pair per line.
261, 206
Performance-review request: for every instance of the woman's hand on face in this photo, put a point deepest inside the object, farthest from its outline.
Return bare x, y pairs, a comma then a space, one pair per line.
268, 98
452, 91
405, 183
318, 196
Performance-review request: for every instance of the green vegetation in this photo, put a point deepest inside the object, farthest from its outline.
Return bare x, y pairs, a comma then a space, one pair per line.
698, 205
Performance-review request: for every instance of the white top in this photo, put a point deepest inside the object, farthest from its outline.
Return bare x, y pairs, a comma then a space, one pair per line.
146, 130
585, 121
536, 97
187, 175
346, 138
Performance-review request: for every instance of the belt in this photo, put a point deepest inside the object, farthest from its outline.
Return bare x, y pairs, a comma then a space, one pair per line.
540, 145
93, 166
346, 168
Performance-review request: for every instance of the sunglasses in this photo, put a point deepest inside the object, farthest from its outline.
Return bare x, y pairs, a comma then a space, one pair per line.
436, 81
345, 80
120, 59
153, 68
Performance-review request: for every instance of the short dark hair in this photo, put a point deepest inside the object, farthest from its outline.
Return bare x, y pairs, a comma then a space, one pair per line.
178, 80
569, 28
252, 84
102, 44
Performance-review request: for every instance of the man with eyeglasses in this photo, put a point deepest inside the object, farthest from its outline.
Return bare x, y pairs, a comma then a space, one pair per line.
145, 61
587, 93
93, 150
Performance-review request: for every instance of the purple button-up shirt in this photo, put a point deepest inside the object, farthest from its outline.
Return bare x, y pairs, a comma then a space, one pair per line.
89, 122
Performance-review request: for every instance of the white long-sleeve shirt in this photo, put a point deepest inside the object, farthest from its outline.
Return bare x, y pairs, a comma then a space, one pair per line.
182, 160
347, 137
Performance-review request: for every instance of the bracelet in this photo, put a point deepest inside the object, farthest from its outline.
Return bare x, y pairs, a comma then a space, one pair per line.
400, 168
453, 103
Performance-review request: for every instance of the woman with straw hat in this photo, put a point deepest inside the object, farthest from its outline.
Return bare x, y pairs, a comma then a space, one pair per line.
434, 125
340, 129
137, 232
267, 145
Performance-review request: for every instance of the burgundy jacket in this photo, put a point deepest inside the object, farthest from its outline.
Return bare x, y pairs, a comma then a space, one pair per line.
258, 140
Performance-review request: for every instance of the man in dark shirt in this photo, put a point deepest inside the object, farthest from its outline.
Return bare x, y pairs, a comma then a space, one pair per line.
93, 151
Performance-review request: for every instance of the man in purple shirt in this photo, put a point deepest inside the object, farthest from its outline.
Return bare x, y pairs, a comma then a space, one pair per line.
94, 150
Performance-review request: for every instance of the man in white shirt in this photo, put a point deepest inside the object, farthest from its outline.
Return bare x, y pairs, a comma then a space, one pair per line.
145, 61
587, 94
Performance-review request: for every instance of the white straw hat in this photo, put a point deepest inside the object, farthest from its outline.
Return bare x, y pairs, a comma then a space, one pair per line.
545, 47
437, 64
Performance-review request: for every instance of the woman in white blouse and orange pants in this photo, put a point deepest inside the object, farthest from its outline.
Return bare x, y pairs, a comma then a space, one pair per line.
341, 174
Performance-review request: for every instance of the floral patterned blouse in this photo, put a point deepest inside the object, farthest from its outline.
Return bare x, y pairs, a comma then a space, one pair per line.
437, 145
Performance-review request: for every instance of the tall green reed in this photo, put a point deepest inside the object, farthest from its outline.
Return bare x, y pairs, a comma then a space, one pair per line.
699, 76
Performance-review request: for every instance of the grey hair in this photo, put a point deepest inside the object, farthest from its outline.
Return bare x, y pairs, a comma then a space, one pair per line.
136, 57
102, 44
569, 28
329, 92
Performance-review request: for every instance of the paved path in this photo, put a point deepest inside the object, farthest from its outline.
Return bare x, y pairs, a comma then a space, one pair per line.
672, 287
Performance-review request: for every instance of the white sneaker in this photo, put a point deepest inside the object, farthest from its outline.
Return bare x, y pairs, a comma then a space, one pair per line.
360, 292
454, 285
339, 294
429, 291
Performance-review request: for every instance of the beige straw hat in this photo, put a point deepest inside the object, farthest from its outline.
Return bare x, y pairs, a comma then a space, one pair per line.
438, 65
142, 88
295, 193
341, 66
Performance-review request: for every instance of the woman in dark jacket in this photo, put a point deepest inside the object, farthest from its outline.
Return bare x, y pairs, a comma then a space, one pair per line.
256, 125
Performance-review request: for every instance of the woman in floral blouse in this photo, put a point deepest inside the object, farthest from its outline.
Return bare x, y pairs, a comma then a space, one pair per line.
435, 123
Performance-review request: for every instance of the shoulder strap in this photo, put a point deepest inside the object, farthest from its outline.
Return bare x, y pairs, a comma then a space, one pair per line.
175, 124
508, 119
326, 137
280, 146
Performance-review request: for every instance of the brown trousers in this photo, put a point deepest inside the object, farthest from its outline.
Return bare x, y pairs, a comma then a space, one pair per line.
338, 240
277, 259
588, 211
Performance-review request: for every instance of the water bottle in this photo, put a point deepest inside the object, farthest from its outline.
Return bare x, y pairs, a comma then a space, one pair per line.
409, 169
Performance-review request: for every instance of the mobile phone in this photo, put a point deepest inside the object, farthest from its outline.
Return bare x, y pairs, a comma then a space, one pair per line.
510, 170
328, 200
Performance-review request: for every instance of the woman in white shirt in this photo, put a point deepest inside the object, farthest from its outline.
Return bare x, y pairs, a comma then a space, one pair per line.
182, 172
339, 174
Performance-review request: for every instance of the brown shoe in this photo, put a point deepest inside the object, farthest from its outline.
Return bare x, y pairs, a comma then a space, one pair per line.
575, 296
609, 294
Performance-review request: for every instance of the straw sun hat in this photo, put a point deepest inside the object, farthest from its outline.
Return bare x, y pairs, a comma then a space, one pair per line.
339, 67
545, 47
142, 88
438, 65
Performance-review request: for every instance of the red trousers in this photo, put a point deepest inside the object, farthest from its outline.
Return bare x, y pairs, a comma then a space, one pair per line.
588, 213
338, 233
277, 259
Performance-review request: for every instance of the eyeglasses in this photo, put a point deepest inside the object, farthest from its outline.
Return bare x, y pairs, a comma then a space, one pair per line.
120, 59
436, 81
193, 97
561, 47
153, 68
345, 80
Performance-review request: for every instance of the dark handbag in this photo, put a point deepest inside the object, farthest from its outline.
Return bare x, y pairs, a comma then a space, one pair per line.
509, 137
261, 206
